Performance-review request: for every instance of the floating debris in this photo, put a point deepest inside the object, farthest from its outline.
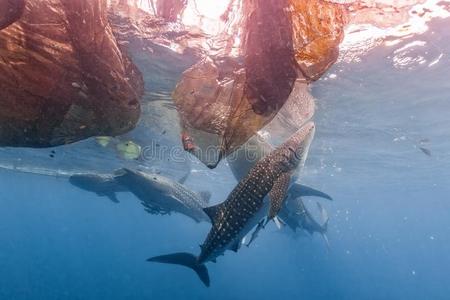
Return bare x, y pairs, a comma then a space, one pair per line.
103, 140
129, 150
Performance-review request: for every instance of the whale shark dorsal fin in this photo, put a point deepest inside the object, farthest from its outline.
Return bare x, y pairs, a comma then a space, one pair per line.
205, 196
277, 194
212, 211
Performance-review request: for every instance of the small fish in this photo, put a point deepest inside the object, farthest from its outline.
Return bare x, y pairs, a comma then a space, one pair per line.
256, 232
425, 151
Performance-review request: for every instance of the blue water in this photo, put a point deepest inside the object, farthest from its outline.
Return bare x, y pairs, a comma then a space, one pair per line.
390, 218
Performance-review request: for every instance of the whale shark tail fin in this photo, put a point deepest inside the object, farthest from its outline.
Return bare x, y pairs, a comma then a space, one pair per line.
187, 260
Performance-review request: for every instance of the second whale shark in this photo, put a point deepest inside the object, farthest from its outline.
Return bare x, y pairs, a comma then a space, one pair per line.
158, 194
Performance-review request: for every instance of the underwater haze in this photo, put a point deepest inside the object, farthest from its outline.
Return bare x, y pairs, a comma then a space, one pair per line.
381, 150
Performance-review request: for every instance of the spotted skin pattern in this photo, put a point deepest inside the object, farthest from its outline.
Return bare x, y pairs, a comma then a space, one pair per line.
273, 172
278, 194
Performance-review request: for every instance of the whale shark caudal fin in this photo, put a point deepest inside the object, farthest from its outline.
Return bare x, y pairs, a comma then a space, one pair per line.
187, 260
303, 190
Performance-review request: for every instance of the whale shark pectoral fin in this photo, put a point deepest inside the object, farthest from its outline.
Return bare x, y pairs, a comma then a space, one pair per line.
278, 194
212, 211
112, 196
302, 190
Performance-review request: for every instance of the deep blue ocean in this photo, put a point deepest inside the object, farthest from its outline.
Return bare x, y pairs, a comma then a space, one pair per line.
389, 220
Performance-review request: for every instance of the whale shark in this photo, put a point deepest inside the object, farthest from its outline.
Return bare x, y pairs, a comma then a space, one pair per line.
241, 211
162, 195
158, 194
293, 213
297, 217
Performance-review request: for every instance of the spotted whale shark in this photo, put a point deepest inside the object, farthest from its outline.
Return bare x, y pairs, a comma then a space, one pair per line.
241, 211
297, 217
158, 194
293, 213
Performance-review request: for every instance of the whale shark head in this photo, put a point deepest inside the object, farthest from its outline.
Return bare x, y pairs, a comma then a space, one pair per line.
293, 153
